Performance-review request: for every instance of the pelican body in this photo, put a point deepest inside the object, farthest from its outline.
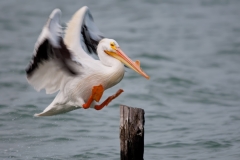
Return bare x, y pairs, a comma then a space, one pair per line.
62, 64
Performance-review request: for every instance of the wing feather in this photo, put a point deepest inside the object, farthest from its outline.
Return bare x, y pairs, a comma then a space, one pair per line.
51, 64
82, 35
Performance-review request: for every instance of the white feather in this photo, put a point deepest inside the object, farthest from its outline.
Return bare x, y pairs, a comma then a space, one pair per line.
73, 37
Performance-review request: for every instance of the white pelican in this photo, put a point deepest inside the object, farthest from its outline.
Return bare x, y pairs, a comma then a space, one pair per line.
64, 66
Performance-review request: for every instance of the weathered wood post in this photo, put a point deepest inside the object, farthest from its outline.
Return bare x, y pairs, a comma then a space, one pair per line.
131, 133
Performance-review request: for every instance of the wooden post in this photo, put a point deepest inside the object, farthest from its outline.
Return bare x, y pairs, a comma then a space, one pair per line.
131, 133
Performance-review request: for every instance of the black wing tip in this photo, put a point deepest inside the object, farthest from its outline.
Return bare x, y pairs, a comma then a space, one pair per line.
46, 51
29, 71
38, 58
65, 58
90, 43
87, 39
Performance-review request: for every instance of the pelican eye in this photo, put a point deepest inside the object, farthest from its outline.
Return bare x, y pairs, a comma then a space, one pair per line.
112, 44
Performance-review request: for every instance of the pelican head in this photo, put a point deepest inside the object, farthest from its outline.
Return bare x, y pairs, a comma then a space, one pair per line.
111, 48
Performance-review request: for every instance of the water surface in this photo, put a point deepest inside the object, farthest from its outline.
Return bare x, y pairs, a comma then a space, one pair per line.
190, 49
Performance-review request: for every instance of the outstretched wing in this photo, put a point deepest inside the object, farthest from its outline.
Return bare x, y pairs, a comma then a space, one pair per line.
82, 35
51, 64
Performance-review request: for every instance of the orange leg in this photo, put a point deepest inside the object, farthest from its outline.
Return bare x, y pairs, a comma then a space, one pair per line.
87, 105
108, 100
97, 92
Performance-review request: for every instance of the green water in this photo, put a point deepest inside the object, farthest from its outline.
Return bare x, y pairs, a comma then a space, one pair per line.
190, 49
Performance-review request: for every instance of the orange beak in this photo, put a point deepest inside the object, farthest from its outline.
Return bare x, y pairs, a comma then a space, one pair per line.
120, 55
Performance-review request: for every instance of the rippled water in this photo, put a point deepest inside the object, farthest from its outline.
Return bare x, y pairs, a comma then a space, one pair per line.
191, 50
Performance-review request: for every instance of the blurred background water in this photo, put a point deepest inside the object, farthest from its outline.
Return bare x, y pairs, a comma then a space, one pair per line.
191, 50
